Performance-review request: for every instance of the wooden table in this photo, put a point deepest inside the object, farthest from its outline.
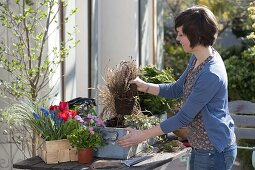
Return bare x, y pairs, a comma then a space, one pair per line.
157, 160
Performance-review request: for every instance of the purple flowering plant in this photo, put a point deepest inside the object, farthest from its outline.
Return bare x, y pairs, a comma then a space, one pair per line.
87, 135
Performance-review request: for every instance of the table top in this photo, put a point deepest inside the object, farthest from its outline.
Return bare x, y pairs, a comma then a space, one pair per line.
156, 160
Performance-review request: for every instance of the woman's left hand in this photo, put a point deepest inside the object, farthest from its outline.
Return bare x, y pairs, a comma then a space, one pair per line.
134, 137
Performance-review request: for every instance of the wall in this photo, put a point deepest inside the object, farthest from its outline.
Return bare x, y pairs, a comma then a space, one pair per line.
114, 35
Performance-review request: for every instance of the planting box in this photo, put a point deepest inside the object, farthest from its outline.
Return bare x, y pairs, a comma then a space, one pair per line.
56, 151
112, 149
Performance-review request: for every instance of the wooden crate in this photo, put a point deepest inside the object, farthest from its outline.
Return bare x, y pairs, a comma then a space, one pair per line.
56, 151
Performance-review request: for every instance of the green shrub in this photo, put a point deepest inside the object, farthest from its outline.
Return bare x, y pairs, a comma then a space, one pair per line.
155, 104
175, 58
241, 75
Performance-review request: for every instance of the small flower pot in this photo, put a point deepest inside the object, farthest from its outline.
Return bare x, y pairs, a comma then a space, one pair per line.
85, 155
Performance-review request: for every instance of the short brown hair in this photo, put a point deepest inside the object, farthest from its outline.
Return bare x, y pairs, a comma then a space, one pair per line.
199, 25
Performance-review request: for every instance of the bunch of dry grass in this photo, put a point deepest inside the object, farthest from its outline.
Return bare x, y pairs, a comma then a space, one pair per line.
117, 93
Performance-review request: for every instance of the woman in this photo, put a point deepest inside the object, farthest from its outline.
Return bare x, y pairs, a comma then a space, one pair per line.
203, 87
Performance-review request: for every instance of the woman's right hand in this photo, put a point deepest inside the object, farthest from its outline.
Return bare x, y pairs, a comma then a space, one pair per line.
141, 85
145, 87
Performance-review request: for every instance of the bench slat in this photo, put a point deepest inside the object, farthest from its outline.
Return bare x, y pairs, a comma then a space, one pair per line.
244, 120
245, 133
241, 106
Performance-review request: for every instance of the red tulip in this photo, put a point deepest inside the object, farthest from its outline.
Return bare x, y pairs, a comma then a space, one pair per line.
72, 113
54, 108
63, 106
63, 115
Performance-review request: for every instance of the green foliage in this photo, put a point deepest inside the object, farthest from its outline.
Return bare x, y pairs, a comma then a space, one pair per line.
52, 130
231, 51
251, 11
84, 138
240, 68
140, 121
225, 11
241, 25
171, 146
241, 76
155, 104
175, 58
25, 57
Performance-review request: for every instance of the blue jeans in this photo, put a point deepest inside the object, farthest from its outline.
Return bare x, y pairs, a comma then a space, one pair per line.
212, 159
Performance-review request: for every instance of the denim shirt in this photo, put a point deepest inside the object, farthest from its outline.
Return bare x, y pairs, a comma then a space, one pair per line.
210, 97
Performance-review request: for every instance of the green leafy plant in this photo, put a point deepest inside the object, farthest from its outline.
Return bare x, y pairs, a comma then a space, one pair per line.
241, 77
155, 104
175, 58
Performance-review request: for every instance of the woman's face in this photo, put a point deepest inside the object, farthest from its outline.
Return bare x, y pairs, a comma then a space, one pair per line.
183, 39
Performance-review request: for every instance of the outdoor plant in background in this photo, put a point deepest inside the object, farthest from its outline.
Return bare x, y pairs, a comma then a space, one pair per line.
240, 68
26, 59
155, 104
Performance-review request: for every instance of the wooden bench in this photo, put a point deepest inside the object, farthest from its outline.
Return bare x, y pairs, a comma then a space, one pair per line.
243, 113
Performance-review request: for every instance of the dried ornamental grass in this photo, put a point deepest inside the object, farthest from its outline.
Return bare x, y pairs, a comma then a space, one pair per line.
118, 96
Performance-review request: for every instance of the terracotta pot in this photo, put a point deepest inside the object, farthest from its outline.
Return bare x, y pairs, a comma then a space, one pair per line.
85, 155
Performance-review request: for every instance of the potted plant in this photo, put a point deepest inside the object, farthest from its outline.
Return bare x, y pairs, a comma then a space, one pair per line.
120, 107
87, 138
118, 96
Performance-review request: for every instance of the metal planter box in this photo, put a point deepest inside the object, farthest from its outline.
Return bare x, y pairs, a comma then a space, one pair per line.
112, 149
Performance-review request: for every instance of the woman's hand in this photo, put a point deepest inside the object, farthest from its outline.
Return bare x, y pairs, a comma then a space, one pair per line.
134, 137
145, 87
141, 85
